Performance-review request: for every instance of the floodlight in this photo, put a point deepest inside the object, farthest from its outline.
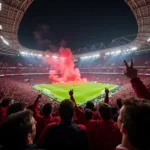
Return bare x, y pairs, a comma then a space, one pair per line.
134, 48
55, 57
148, 40
0, 6
4, 41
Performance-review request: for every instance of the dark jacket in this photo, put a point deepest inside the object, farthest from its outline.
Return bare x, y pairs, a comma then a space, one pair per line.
67, 136
27, 147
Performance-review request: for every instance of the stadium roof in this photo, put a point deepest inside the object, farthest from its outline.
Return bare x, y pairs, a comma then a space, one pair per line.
12, 11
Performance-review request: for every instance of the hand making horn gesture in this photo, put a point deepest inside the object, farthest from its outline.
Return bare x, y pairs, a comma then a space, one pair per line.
106, 91
130, 71
71, 92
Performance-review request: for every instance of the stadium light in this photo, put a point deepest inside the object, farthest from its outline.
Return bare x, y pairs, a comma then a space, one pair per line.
85, 57
0, 6
31, 54
148, 40
118, 52
108, 53
4, 41
24, 53
1, 27
112, 53
134, 48
92, 56
96, 55
55, 57
39, 55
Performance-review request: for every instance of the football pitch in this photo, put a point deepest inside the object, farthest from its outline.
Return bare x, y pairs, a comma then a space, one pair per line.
83, 92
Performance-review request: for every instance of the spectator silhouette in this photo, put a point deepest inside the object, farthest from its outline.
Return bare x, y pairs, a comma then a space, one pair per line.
66, 135
18, 131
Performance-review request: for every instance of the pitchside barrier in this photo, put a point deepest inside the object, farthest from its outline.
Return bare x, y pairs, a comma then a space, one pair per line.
100, 73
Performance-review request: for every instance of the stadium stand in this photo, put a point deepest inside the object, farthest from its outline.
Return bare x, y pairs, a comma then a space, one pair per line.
31, 120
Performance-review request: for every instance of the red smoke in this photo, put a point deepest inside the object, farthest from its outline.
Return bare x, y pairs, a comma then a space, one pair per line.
63, 67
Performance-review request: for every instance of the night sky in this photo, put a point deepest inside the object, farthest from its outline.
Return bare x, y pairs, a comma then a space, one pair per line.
80, 23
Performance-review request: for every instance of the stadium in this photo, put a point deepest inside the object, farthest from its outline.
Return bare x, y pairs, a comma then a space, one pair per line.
95, 73
104, 67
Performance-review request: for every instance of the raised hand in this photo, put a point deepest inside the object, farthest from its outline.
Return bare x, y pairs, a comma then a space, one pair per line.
71, 92
39, 96
106, 91
130, 71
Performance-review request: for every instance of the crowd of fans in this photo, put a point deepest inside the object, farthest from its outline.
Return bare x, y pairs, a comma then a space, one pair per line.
22, 61
19, 91
30, 120
107, 64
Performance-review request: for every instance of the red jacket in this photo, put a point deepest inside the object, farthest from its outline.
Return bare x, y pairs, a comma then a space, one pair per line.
81, 115
104, 135
42, 121
3, 114
57, 119
96, 115
106, 100
140, 89
90, 138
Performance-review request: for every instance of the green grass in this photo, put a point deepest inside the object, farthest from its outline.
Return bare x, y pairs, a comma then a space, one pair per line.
83, 92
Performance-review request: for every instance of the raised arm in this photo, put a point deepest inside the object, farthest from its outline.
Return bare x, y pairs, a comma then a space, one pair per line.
71, 92
106, 100
35, 106
79, 113
140, 89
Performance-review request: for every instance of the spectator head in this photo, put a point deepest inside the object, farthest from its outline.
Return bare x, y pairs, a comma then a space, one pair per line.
16, 107
90, 105
134, 123
119, 103
114, 110
66, 110
56, 111
7, 102
30, 107
47, 109
18, 130
104, 111
88, 114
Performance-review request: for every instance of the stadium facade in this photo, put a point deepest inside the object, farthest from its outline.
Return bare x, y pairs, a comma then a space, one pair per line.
12, 12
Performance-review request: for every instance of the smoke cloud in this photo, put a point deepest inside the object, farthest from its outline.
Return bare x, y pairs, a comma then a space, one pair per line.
63, 67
